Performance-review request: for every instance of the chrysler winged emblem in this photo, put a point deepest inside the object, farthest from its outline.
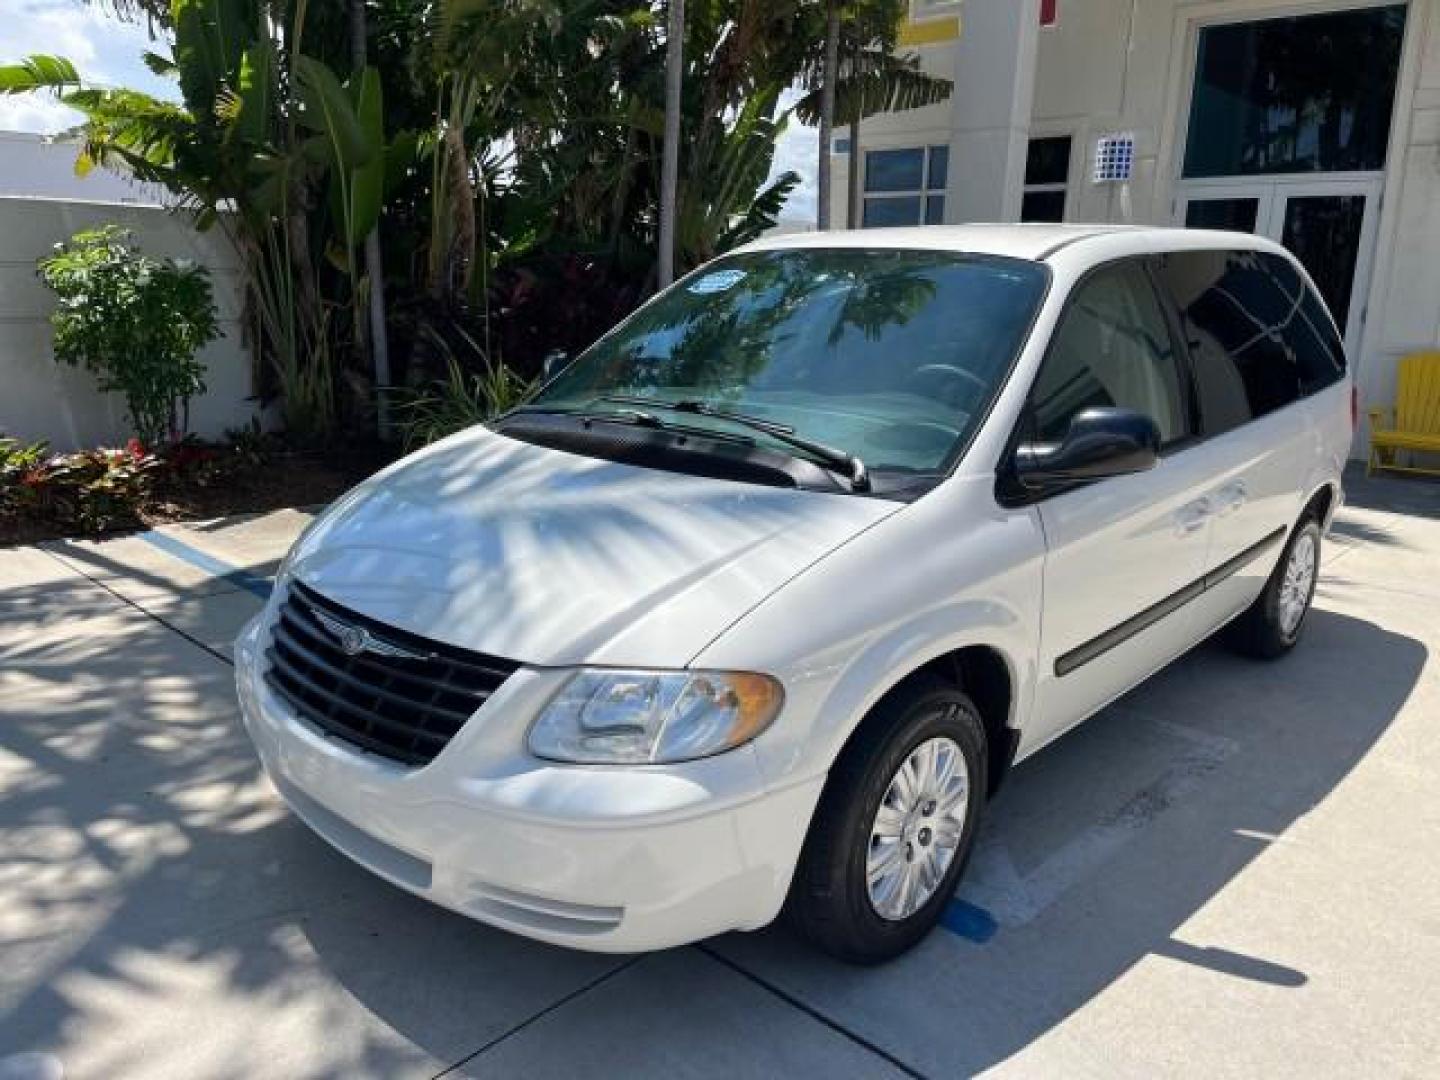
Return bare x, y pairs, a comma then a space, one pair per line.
354, 640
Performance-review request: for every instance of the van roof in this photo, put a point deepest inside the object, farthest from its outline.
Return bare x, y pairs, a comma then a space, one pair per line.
1030, 241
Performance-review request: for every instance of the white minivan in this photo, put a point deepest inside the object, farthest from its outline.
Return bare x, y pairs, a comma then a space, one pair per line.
754, 605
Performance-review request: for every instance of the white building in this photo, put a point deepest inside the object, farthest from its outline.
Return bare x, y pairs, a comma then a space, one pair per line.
1316, 122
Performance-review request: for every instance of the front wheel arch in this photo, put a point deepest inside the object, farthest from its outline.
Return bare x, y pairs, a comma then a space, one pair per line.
983, 673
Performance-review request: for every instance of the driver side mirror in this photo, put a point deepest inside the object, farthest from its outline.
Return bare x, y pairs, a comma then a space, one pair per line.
1100, 443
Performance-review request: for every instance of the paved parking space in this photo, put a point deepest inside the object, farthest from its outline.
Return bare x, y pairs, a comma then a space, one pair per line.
1234, 870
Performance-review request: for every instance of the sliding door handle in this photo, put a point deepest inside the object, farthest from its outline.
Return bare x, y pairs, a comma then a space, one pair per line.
1232, 497
1192, 517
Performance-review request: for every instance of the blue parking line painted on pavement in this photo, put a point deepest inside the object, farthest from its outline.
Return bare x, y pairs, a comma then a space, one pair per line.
241, 579
968, 921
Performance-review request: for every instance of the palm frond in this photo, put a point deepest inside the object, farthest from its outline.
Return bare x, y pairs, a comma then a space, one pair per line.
38, 72
159, 64
131, 132
882, 83
763, 214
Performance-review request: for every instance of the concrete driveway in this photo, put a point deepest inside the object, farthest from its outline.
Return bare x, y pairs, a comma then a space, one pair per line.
1235, 870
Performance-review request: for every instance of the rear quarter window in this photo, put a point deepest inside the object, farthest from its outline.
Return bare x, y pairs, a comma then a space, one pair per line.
1249, 323
1310, 333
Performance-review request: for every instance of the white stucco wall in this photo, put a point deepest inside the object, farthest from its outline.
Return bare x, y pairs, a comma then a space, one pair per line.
42, 399
45, 167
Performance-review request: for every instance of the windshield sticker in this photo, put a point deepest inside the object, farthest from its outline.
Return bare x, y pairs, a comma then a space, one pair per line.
719, 281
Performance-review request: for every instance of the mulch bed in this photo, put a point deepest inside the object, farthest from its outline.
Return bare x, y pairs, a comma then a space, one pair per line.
279, 480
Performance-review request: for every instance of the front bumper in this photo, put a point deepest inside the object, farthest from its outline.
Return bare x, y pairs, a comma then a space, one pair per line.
601, 858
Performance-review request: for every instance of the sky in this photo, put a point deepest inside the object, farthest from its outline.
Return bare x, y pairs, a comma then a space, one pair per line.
797, 151
107, 51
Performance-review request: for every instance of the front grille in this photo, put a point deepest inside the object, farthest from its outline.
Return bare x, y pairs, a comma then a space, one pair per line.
403, 697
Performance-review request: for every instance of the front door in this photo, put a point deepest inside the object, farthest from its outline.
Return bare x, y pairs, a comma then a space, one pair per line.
1329, 225
1123, 555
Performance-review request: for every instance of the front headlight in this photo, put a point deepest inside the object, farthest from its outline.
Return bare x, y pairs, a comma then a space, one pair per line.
653, 717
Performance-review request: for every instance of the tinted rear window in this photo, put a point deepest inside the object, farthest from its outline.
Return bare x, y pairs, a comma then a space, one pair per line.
1310, 334
1258, 337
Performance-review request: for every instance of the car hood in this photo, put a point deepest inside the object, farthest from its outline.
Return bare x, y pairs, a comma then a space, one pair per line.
549, 558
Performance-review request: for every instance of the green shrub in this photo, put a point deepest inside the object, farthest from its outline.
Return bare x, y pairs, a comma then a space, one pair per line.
461, 399
22, 474
102, 489
91, 491
136, 322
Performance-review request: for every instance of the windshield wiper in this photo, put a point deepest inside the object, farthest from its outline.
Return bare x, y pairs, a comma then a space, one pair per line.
632, 417
637, 417
847, 464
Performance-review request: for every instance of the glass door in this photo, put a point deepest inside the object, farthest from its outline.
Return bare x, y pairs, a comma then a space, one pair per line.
1330, 227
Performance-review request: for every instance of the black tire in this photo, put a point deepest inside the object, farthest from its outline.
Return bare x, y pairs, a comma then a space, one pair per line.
1260, 632
829, 902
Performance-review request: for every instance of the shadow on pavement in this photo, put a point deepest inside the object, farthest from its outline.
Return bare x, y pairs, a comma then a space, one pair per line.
1104, 844
164, 914
1392, 493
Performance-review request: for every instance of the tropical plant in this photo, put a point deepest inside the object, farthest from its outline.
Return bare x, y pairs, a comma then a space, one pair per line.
461, 399
511, 149
90, 491
99, 490
21, 467
136, 322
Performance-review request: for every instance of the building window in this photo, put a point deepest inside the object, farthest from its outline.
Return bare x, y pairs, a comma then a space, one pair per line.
1047, 170
1311, 93
905, 187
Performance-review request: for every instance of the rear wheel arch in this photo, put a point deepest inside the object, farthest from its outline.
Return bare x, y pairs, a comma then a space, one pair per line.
1322, 502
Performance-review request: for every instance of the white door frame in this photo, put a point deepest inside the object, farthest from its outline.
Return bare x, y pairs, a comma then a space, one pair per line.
1272, 193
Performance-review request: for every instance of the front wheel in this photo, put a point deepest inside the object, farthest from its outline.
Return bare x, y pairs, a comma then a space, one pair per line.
1270, 627
895, 826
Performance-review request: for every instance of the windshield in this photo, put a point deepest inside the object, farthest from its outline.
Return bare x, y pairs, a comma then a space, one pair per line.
890, 356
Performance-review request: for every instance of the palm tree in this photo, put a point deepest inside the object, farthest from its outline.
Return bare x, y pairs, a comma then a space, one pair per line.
876, 81
374, 265
670, 160
829, 74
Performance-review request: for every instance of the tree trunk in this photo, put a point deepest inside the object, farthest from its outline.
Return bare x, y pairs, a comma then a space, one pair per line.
857, 162
458, 260
374, 266
670, 159
828, 76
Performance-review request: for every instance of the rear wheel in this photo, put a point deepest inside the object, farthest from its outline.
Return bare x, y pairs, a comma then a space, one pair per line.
1270, 627
895, 825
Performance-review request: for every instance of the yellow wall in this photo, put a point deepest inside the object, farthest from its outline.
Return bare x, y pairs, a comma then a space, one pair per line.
929, 31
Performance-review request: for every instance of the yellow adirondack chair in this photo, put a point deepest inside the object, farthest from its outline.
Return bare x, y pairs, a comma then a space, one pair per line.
1414, 422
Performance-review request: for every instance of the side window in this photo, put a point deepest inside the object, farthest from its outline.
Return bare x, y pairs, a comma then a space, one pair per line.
1309, 333
1235, 314
1112, 348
